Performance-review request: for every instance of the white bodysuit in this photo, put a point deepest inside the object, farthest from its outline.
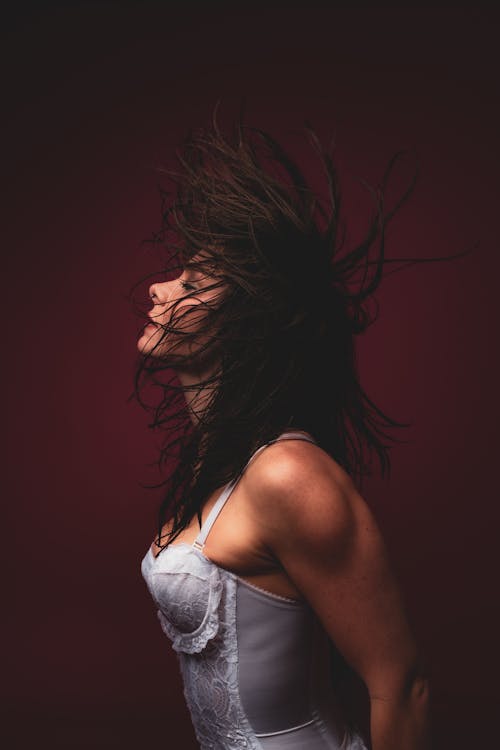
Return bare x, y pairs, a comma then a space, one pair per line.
255, 665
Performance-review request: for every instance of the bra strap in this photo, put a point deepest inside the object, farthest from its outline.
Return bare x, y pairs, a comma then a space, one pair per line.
200, 540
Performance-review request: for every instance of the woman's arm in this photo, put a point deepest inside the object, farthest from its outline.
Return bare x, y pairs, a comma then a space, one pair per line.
321, 530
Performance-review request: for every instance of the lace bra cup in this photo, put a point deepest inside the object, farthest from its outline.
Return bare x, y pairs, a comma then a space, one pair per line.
187, 588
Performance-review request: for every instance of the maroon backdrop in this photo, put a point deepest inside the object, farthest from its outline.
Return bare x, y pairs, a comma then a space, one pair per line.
95, 98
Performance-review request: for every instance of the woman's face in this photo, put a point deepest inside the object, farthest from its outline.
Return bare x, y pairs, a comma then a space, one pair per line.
179, 307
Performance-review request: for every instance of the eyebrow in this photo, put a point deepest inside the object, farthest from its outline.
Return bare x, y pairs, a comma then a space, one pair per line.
195, 273
199, 273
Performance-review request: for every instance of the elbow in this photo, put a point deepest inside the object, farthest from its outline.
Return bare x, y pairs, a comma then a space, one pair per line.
418, 688
417, 683
404, 686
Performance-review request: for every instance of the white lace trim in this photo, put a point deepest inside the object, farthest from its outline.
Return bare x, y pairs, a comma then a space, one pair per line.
211, 685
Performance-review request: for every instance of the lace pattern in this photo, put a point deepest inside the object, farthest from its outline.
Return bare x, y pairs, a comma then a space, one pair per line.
197, 611
187, 589
211, 685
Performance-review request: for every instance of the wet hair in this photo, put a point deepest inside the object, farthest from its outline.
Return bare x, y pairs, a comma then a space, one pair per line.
281, 334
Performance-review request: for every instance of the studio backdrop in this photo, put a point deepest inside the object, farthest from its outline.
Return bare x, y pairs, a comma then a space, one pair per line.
96, 96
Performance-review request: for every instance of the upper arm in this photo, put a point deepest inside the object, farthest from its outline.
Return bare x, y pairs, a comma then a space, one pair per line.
324, 535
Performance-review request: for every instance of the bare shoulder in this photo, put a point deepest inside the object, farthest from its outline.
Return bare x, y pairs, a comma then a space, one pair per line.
300, 491
315, 523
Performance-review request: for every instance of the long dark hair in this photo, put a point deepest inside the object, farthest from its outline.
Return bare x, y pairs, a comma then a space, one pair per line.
282, 331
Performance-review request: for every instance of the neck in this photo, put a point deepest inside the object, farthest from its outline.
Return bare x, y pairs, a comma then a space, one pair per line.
196, 396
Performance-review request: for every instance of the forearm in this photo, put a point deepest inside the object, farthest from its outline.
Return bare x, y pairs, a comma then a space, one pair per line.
401, 723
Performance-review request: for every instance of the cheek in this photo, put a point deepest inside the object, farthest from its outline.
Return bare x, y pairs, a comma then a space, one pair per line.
189, 318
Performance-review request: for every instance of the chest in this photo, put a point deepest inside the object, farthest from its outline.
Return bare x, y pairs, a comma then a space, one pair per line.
235, 543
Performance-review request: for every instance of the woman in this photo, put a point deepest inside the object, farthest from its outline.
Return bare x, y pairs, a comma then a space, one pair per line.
267, 560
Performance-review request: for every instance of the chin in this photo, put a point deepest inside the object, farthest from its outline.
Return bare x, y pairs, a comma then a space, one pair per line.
146, 343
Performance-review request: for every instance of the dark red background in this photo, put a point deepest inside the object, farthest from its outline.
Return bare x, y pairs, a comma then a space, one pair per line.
95, 97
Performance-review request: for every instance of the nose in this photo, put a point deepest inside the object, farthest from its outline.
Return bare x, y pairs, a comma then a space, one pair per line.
159, 293
152, 292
